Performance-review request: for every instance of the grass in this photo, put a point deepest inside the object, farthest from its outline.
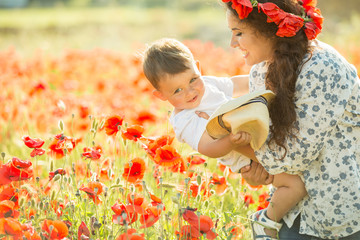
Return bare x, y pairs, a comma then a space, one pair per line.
125, 28
117, 29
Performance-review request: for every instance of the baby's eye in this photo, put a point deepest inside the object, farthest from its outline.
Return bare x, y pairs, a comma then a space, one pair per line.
178, 90
193, 80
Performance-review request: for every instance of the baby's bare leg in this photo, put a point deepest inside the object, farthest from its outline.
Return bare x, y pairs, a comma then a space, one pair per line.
290, 190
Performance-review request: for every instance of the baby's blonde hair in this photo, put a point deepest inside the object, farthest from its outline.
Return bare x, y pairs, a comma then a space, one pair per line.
166, 56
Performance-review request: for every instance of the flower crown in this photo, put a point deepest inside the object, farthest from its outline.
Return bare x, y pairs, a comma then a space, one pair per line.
288, 24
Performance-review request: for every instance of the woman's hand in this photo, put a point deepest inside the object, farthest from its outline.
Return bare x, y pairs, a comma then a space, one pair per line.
255, 174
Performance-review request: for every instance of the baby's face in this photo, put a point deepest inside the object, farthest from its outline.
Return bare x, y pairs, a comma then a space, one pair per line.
184, 90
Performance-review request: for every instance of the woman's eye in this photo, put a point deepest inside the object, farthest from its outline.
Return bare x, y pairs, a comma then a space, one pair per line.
238, 34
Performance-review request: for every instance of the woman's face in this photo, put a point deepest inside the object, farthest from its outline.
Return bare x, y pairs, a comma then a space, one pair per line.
255, 47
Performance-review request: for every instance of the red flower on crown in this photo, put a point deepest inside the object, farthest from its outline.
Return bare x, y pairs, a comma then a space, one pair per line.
288, 24
242, 7
316, 16
273, 12
307, 4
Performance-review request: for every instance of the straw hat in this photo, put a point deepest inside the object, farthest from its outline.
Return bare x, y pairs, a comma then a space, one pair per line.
248, 113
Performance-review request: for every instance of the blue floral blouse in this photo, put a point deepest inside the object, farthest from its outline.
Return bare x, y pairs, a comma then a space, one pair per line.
326, 149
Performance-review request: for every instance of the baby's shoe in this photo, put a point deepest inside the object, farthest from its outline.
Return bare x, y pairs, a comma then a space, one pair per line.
259, 221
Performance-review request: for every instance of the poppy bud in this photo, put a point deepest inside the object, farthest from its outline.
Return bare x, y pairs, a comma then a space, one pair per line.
61, 125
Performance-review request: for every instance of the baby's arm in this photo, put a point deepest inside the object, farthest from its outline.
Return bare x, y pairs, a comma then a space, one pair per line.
216, 148
241, 85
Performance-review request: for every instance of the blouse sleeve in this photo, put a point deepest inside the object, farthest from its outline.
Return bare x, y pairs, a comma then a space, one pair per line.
257, 77
322, 91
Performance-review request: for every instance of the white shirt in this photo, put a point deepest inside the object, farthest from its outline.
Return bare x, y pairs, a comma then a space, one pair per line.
189, 127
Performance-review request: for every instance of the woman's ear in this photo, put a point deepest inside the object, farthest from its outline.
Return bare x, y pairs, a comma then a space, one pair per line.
159, 95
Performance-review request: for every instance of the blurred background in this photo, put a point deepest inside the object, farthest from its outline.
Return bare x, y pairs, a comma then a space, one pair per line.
121, 25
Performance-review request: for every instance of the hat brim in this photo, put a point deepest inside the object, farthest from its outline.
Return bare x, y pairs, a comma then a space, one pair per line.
247, 113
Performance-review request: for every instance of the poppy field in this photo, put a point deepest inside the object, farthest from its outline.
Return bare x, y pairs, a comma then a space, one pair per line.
88, 153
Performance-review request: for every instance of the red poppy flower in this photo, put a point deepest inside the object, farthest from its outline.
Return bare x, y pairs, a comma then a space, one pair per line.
33, 142
248, 199
220, 184
15, 170
263, 201
191, 217
133, 132
93, 153
189, 233
56, 172
152, 144
37, 152
290, 25
83, 230
317, 18
11, 227
57, 232
202, 224
195, 189
58, 207
20, 164
60, 144
29, 232
181, 167
134, 172
206, 225
311, 30
167, 156
155, 198
195, 160
84, 111
308, 4
93, 190
7, 209
37, 88
106, 173
131, 235
273, 12
120, 218
151, 216
136, 199
9, 193
144, 116
242, 7
112, 124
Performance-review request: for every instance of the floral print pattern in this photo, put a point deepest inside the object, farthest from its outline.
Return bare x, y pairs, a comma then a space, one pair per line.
326, 150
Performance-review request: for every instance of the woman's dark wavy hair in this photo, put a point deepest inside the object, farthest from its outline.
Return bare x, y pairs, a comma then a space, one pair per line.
283, 70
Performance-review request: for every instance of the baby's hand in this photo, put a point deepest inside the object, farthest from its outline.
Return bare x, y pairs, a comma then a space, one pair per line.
240, 138
203, 115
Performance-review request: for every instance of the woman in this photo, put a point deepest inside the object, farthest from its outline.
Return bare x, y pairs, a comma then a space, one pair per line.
315, 130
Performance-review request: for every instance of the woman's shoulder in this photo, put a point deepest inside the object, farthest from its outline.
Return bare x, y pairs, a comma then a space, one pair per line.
324, 56
321, 51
